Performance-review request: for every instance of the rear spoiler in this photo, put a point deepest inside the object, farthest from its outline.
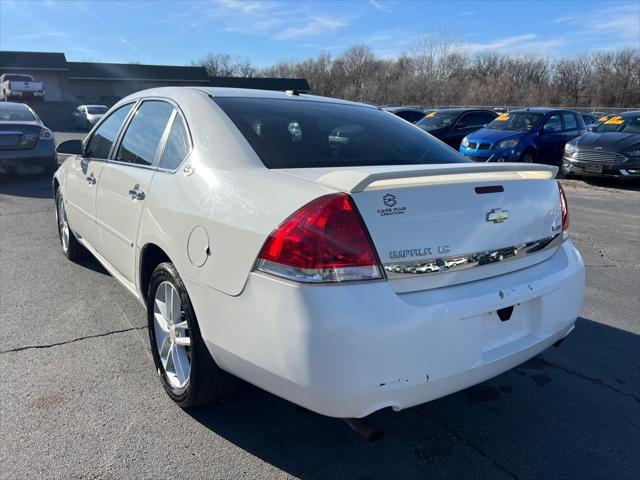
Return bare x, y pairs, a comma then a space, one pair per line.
374, 178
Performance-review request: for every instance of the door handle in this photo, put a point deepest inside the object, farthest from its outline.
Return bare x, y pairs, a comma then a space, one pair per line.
135, 193
91, 180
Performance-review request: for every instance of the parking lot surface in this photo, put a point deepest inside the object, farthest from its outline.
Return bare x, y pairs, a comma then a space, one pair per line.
79, 397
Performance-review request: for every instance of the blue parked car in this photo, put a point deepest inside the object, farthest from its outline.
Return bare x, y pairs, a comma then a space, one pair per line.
525, 135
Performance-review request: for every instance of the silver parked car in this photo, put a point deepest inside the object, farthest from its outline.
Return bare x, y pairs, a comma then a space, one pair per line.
86, 116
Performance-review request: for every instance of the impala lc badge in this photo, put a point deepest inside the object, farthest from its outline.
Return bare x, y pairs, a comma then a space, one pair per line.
497, 215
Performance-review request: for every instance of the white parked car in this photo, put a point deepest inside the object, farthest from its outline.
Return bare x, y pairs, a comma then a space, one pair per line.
381, 269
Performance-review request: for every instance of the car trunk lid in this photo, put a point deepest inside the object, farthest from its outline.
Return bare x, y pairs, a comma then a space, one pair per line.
18, 136
431, 224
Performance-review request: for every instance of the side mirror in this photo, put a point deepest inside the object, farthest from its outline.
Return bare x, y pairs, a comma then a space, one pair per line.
71, 147
590, 128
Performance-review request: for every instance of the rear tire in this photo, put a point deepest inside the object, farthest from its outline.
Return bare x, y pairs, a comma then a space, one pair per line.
187, 371
71, 248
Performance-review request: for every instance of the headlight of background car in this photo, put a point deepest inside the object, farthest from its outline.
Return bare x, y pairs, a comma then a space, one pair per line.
508, 143
465, 142
570, 148
635, 152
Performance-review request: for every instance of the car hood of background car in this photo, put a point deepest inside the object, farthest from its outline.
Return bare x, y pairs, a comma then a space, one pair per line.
611, 141
492, 136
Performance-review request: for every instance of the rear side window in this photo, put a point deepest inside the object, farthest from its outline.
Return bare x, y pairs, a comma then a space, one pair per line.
177, 146
570, 121
304, 134
100, 143
144, 132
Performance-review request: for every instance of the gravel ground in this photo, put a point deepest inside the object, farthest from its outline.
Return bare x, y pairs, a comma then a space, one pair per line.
79, 397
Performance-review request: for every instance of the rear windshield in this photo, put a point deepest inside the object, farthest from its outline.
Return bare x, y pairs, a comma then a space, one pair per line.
96, 110
305, 134
621, 123
11, 112
520, 121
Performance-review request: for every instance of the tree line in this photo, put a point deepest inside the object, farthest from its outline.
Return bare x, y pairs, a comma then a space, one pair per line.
440, 72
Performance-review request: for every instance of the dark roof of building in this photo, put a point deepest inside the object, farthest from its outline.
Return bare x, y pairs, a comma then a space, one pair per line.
33, 60
258, 83
133, 71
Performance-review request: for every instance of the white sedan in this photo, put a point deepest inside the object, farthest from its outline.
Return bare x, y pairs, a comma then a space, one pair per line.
326, 251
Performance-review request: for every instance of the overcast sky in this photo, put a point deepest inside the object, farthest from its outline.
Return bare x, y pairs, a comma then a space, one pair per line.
176, 32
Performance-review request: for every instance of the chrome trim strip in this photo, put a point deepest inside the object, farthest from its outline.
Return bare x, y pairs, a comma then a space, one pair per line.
462, 262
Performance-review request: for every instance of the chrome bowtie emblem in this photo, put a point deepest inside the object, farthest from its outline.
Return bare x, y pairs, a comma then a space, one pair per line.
497, 215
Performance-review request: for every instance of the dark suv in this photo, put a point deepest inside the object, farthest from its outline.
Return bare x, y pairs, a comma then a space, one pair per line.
451, 125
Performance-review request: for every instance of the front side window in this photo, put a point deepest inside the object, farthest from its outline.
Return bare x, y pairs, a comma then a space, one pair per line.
97, 110
177, 146
100, 143
520, 121
144, 132
570, 121
304, 134
553, 124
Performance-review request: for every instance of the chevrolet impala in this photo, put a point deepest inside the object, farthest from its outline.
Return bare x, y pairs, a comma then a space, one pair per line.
326, 251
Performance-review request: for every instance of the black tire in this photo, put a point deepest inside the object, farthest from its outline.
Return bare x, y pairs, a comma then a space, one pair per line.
206, 382
528, 157
74, 251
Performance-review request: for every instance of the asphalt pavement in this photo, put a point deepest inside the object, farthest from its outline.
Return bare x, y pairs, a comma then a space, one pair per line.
79, 397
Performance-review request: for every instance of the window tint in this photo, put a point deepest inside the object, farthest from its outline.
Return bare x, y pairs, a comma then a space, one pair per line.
101, 141
177, 146
521, 121
144, 132
410, 115
570, 121
485, 117
299, 133
476, 119
16, 112
553, 124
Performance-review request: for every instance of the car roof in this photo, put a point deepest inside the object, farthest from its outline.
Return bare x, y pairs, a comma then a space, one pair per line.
462, 110
400, 109
16, 104
634, 112
221, 92
540, 110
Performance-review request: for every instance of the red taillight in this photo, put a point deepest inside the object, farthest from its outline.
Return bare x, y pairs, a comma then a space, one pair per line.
324, 241
564, 208
46, 134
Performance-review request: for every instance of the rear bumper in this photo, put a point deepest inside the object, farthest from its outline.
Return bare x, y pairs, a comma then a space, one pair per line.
349, 350
36, 95
42, 156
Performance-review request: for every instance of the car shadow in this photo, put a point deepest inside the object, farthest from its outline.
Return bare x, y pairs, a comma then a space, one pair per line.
541, 418
619, 184
26, 185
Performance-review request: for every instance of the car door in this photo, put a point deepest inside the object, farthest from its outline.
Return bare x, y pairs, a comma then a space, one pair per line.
467, 123
551, 140
125, 181
83, 176
572, 127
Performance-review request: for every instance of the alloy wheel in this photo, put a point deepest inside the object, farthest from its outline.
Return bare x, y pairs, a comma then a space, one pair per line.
63, 225
171, 332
